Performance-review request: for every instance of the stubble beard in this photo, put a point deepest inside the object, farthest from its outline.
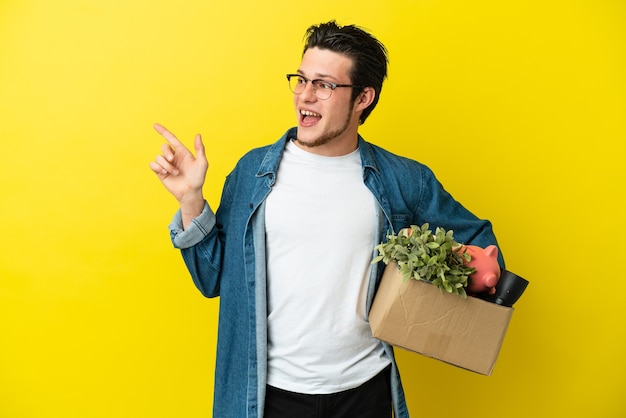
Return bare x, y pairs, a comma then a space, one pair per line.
327, 137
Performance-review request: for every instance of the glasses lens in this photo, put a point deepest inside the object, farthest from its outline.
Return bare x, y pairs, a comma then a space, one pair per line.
296, 84
322, 89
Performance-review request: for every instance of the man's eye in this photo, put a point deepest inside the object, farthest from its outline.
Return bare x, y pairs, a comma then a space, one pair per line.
323, 85
301, 80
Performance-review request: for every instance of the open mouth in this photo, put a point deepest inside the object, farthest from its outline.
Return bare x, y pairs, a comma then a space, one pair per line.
308, 118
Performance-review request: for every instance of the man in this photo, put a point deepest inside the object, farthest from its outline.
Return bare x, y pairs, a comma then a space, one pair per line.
289, 250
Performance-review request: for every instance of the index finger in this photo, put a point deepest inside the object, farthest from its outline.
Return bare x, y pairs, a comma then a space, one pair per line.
169, 137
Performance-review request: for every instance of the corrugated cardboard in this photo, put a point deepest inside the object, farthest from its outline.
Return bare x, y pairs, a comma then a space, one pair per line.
417, 316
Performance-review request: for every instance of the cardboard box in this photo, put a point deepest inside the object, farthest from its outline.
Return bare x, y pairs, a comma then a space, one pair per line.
417, 316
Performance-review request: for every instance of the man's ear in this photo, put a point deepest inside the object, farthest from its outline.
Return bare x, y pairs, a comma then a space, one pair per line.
365, 98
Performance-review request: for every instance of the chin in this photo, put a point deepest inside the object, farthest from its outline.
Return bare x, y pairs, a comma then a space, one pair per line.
305, 136
306, 142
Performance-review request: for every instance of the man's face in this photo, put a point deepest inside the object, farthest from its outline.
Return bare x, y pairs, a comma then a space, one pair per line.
326, 127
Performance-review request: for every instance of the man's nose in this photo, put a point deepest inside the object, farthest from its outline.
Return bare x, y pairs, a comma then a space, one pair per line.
308, 94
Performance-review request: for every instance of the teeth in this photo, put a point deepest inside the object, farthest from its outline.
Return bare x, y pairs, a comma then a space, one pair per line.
309, 113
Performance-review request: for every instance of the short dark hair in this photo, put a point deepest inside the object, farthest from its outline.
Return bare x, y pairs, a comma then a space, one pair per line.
368, 54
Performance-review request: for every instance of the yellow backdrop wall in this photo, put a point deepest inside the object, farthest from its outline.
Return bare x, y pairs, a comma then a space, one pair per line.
518, 107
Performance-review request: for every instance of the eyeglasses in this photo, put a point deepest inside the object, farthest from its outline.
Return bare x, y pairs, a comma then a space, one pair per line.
321, 88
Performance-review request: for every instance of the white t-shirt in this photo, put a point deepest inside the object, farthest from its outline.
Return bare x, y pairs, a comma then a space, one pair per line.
321, 231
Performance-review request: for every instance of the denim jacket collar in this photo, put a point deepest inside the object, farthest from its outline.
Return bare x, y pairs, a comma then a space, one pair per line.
269, 165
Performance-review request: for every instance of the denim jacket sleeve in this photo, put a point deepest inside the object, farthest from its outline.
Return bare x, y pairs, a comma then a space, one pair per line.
410, 193
439, 208
197, 230
201, 249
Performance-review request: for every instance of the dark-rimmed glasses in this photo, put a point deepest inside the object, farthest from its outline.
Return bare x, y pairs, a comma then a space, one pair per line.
321, 88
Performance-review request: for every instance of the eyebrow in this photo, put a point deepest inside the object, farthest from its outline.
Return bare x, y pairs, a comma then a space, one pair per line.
319, 75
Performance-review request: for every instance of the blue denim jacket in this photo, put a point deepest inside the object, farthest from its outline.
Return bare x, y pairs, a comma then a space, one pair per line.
225, 254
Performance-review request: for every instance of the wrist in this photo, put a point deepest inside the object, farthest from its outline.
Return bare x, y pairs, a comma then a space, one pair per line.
191, 206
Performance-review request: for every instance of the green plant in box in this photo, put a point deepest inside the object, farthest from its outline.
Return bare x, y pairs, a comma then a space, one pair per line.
422, 255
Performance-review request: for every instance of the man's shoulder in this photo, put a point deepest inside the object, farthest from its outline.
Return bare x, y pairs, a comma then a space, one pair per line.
265, 155
386, 159
256, 153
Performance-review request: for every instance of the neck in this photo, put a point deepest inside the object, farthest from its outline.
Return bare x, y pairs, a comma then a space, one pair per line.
330, 149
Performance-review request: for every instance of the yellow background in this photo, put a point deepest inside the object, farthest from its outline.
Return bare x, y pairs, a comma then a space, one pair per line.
518, 106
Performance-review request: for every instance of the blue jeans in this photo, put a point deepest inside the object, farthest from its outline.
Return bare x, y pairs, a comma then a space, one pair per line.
370, 400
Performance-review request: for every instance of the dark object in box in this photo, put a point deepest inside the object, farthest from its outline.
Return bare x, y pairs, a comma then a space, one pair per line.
417, 316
